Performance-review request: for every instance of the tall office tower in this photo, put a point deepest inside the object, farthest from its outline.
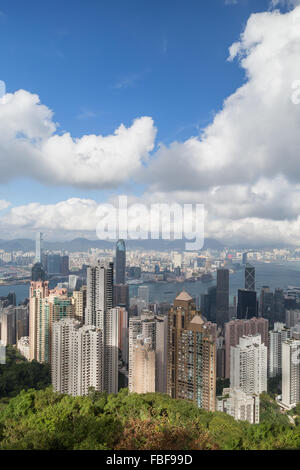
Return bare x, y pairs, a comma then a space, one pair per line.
279, 314
222, 297
38, 273
143, 294
54, 264
22, 321
78, 300
244, 258
191, 354
208, 304
38, 290
123, 334
64, 265
249, 365
292, 317
143, 367
121, 296
276, 337
266, 304
235, 329
120, 262
8, 325
247, 304
38, 247
290, 373
77, 358
249, 277
239, 405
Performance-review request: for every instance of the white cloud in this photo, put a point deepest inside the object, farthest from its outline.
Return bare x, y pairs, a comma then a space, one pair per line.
287, 3
31, 146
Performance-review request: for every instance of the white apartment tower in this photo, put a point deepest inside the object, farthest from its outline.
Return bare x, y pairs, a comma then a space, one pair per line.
290, 373
155, 327
143, 368
276, 338
77, 358
101, 314
248, 365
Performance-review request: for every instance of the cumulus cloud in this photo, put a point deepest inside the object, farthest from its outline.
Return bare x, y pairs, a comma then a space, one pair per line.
31, 146
257, 132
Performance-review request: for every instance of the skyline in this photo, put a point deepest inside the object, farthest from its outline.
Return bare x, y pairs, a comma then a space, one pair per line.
226, 122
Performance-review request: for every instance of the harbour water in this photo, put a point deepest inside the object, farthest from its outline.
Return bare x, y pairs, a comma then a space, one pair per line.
267, 274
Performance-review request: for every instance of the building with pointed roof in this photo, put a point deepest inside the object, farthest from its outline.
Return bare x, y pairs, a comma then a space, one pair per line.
191, 354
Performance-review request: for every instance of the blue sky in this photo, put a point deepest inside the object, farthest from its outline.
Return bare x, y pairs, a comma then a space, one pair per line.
98, 64
164, 101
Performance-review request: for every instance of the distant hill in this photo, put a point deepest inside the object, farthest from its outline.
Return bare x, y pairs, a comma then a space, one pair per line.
83, 244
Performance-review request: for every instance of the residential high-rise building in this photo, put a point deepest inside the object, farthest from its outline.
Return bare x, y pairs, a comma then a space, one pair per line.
8, 325
120, 262
22, 321
123, 334
248, 365
247, 304
290, 373
38, 290
101, 314
45, 308
276, 337
148, 325
249, 277
222, 297
235, 329
78, 300
239, 405
77, 358
143, 367
292, 317
191, 354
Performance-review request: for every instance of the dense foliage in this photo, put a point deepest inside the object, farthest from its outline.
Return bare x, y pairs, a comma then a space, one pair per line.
46, 420
18, 374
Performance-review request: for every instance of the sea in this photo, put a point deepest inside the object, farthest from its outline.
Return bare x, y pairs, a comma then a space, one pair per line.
274, 275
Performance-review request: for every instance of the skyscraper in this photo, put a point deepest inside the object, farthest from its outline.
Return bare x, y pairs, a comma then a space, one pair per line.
247, 304
191, 354
46, 307
101, 314
248, 365
290, 373
120, 262
235, 329
38, 273
249, 277
143, 367
148, 325
38, 247
77, 358
222, 297
276, 337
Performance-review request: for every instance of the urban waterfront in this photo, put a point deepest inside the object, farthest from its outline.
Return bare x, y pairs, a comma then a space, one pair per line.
267, 274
